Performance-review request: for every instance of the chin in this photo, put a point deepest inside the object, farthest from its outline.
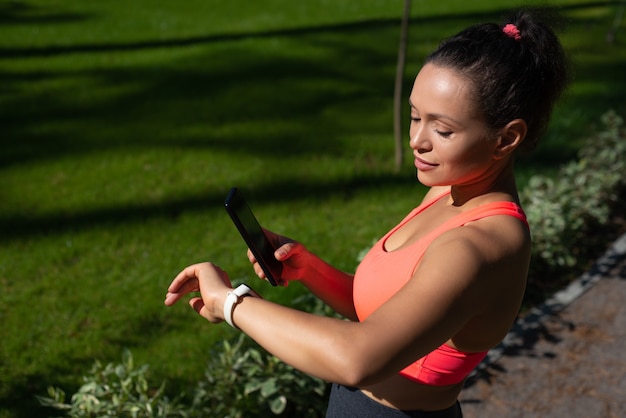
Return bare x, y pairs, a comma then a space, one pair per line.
429, 182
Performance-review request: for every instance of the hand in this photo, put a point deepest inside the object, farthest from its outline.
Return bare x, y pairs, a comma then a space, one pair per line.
290, 253
212, 283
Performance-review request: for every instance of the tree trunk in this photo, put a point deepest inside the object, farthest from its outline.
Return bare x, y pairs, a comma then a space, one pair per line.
397, 106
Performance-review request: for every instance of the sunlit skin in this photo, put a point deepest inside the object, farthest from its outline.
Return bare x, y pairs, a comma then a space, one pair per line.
450, 141
469, 304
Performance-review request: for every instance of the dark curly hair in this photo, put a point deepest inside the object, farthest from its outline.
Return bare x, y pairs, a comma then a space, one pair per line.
514, 75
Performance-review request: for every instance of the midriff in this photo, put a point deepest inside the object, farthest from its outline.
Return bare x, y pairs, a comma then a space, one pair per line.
401, 393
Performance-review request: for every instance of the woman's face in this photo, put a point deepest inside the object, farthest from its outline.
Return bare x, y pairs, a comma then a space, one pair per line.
450, 140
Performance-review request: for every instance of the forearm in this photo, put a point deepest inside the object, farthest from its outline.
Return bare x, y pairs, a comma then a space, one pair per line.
331, 285
319, 346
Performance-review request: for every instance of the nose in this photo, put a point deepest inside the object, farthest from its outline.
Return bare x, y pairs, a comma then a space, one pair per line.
419, 138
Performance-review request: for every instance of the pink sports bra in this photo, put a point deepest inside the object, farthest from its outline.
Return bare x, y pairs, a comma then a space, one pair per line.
381, 274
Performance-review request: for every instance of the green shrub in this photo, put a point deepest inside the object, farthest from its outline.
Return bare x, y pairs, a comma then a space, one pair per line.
243, 380
115, 391
564, 210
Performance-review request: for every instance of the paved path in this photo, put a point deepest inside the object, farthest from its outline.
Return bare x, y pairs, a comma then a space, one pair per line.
569, 360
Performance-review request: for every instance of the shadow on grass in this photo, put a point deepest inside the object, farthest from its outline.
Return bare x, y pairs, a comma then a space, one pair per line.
205, 102
14, 13
226, 86
17, 227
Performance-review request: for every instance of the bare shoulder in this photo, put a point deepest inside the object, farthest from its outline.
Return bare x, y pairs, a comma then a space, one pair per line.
496, 237
480, 260
478, 273
487, 242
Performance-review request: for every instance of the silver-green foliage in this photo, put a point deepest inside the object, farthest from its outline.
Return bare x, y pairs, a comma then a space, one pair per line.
560, 209
243, 380
115, 390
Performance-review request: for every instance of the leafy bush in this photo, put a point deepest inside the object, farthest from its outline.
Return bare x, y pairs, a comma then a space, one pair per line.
563, 210
115, 391
243, 380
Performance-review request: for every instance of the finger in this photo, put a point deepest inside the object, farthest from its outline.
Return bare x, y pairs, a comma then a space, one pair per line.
282, 253
182, 278
187, 287
197, 304
172, 298
187, 280
259, 271
286, 251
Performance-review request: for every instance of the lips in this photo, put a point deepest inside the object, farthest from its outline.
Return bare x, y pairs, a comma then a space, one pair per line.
424, 165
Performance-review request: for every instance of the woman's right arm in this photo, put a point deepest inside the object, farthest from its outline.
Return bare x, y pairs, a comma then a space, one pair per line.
331, 285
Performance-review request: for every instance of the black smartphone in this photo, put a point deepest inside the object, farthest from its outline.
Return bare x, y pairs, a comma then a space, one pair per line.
253, 235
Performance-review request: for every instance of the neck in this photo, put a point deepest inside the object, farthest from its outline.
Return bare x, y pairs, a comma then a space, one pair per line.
500, 181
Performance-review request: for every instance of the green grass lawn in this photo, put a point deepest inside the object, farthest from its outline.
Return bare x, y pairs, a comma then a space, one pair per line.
124, 124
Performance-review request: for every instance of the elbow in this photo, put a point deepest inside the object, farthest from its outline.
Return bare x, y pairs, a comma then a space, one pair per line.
357, 379
357, 362
358, 372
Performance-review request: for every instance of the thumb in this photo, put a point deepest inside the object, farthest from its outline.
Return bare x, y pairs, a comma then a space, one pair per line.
197, 304
287, 250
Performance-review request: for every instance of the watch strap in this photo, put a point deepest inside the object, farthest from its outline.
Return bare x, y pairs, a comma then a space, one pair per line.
233, 298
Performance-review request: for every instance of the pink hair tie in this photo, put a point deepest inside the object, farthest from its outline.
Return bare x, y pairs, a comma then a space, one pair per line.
511, 31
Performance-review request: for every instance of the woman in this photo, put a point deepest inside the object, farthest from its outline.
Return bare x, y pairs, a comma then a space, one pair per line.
445, 285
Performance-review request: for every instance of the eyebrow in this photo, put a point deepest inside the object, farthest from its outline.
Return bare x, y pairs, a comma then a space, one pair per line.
439, 115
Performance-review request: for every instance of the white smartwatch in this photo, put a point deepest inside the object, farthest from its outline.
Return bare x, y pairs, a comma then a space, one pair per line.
233, 298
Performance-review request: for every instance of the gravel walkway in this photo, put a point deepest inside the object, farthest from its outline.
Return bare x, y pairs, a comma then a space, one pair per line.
566, 358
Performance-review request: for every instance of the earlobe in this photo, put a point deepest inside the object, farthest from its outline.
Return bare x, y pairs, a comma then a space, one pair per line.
510, 137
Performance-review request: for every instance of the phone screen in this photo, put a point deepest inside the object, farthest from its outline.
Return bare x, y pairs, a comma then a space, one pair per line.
253, 235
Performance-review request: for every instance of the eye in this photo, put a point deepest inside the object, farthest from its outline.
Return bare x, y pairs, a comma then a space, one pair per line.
444, 134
